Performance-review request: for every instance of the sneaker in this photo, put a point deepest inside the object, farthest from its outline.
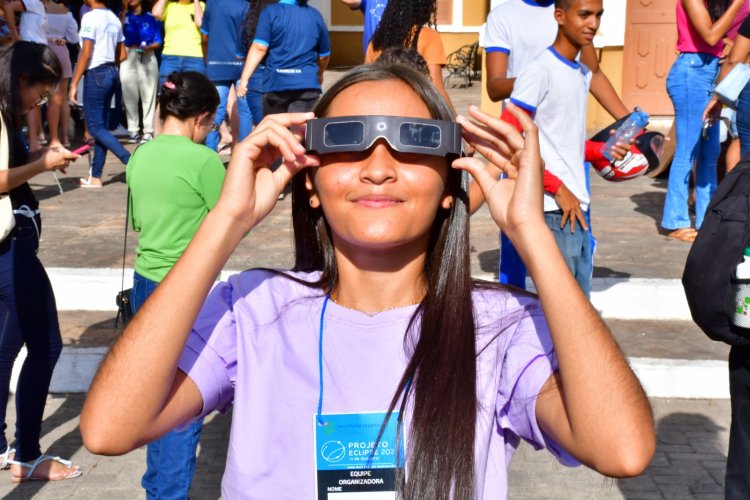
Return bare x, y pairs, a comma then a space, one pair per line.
120, 131
146, 138
132, 138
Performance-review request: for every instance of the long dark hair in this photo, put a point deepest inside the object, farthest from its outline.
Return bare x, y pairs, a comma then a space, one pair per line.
251, 21
439, 382
27, 62
716, 8
402, 21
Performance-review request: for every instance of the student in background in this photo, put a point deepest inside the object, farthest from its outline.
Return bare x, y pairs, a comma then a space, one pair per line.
293, 38
510, 46
139, 72
167, 204
373, 13
100, 56
62, 30
222, 29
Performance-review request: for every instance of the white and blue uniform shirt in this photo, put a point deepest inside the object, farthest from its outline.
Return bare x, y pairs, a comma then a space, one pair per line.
522, 29
555, 90
296, 36
223, 23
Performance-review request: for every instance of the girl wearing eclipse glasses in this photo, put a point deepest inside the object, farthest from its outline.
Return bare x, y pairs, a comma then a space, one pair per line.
376, 364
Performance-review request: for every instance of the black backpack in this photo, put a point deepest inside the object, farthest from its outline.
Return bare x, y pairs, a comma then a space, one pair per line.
714, 256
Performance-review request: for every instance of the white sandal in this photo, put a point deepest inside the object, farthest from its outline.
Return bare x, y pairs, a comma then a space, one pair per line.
5, 460
29, 476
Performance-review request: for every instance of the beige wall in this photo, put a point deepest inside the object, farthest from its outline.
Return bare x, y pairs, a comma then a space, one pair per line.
596, 117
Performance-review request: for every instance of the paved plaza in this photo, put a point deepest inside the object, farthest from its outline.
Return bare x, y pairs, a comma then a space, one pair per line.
83, 231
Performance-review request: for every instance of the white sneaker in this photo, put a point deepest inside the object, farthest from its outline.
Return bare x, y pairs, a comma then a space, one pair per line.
146, 138
132, 138
120, 131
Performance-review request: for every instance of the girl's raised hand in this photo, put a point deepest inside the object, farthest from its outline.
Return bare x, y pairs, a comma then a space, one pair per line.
516, 202
251, 189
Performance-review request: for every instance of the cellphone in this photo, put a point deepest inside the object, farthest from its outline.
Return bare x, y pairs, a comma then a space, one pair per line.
82, 150
706, 125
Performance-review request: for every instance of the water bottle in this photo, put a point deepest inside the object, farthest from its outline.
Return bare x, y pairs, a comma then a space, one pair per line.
631, 127
739, 297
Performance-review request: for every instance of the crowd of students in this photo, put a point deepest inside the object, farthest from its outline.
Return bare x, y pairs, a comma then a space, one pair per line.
381, 226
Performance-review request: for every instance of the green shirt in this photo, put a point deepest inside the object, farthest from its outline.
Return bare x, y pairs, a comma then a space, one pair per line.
173, 184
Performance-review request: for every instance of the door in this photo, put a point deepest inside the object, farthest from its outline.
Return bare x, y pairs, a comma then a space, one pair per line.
650, 41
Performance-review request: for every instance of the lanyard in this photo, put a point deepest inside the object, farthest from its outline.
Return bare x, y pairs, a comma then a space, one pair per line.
320, 360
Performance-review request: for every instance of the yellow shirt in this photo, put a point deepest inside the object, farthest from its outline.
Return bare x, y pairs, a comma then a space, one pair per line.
181, 36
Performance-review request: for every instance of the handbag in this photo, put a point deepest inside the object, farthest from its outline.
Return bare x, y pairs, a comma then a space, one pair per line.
7, 219
728, 90
122, 298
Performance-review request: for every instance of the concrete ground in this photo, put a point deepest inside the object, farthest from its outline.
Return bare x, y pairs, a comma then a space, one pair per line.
83, 230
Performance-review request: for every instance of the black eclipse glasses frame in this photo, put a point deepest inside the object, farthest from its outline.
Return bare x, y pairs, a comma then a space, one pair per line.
403, 134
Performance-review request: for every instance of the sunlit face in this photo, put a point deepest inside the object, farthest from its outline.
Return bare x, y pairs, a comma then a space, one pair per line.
32, 96
380, 198
581, 21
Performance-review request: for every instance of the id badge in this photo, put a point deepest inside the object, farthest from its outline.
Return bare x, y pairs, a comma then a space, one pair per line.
348, 465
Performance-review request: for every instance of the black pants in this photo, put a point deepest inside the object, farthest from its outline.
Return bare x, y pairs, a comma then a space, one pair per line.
737, 482
290, 101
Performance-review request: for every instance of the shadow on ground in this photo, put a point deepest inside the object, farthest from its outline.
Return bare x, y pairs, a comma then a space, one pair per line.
686, 445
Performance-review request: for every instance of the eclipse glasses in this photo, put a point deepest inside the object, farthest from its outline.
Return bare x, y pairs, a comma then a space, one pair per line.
403, 134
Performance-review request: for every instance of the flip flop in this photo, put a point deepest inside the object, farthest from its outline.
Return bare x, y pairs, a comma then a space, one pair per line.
29, 476
687, 234
6, 460
85, 182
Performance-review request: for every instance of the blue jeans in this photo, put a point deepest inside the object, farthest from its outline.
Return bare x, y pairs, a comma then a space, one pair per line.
742, 120
250, 110
28, 315
170, 460
171, 64
690, 83
98, 88
575, 249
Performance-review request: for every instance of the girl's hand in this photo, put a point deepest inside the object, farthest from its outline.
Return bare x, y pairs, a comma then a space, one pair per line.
56, 158
242, 89
72, 95
251, 189
515, 203
712, 108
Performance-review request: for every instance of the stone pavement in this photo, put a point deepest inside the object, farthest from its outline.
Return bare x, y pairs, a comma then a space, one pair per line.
689, 461
83, 228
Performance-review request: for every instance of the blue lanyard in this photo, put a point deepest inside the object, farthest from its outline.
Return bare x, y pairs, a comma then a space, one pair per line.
320, 363
320, 359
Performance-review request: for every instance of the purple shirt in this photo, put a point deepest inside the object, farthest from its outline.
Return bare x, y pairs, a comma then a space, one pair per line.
255, 345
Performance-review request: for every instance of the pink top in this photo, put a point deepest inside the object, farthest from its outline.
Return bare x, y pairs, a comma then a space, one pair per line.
688, 39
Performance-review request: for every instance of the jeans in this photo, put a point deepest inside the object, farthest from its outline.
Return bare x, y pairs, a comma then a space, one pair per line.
737, 481
170, 460
249, 108
575, 249
171, 64
98, 89
690, 84
742, 120
139, 74
28, 315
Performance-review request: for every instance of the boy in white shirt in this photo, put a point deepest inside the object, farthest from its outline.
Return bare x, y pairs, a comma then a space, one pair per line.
553, 88
510, 46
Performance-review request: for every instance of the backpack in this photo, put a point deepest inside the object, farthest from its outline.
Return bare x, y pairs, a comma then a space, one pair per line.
714, 256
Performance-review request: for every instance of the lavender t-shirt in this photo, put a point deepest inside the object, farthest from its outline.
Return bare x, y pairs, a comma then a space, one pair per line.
255, 346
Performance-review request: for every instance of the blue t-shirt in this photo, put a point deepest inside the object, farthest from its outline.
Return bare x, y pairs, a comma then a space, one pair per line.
373, 11
296, 36
141, 28
223, 22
